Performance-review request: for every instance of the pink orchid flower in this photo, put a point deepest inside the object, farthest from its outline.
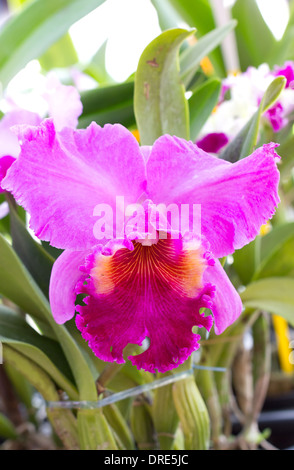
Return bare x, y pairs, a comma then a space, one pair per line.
137, 288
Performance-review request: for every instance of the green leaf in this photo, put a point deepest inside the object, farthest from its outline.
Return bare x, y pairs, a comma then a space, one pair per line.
191, 57
97, 68
17, 284
283, 49
51, 250
119, 426
37, 27
167, 16
274, 295
269, 98
254, 38
35, 258
199, 15
201, 105
192, 413
22, 387
46, 353
62, 420
60, 54
286, 152
276, 237
245, 262
245, 141
94, 431
7, 429
108, 104
159, 101
17, 4
277, 251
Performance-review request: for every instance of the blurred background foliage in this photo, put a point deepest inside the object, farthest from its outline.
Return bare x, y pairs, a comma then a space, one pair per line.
45, 362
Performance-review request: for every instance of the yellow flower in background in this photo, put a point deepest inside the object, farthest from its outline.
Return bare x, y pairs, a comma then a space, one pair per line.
136, 134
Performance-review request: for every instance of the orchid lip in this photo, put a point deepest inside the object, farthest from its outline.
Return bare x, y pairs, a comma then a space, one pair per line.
140, 292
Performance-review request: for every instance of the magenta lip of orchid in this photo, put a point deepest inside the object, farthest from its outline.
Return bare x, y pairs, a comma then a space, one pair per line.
133, 220
133, 290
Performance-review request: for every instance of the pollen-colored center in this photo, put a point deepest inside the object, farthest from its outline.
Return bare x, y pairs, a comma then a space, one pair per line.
161, 266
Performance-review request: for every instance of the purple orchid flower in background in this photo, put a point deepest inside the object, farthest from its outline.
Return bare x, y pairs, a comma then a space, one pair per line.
63, 104
287, 71
9, 146
137, 288
213, 143
239, 99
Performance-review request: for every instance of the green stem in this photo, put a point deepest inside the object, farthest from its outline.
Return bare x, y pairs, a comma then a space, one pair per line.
63, 421
119, 426
165, 415
142, 424
94, 431
261, 362
206, 383
110, 371
192, 411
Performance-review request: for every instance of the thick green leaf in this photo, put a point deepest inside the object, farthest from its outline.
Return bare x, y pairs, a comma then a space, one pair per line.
272, 93
245, 141
17, 284
274, 295
15, 5
31, 32
5, 221
119, 426
283, 49
160, 103
94, 431
199, 15
7, 429
245, 262
286, 152
45, 352
51, 250
60, 54
254, 38
280, 263
191, 57
109, 104
97, 68
276, 237
269, 98
35, 258
22, 387
168, 17
62, 420
277, 253
201, 105
271, 255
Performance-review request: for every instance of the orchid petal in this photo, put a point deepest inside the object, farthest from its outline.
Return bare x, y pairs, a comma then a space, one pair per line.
9, 141
226, 304
64, 103
236, 199
60, 178
64, 276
